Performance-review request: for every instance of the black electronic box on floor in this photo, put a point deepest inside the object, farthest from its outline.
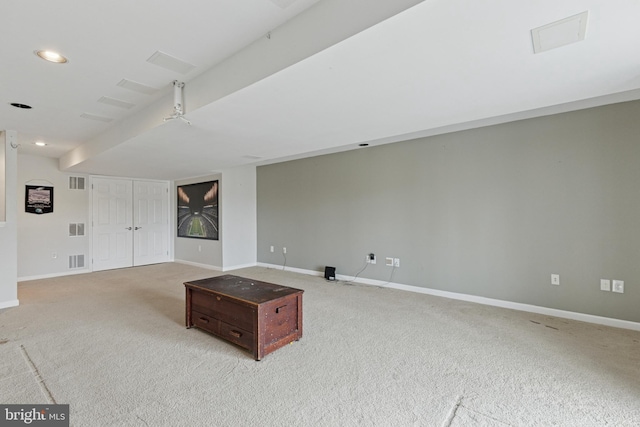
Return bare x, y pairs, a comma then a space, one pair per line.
330, 273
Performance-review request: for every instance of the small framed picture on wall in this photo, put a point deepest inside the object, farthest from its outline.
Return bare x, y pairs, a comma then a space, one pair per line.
38, 199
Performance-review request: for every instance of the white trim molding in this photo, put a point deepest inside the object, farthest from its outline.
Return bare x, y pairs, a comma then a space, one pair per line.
49, 276
582, 317
8, 304
197, 264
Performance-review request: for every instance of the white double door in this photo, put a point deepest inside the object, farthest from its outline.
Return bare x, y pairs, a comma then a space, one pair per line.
130, 223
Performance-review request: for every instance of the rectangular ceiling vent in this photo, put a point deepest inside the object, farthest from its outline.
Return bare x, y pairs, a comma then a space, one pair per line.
169, 62
96, 118
116, 102
560, 33
76, 183
283, 4
137, 87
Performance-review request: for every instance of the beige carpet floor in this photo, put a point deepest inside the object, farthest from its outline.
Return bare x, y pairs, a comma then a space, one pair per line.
113, 345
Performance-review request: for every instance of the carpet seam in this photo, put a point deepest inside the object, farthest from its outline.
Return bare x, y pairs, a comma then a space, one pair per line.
36, 376
452, 412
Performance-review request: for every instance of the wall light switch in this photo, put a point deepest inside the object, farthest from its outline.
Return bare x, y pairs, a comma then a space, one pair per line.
271, 249
388, 262
618, 286
605, 284
555, 279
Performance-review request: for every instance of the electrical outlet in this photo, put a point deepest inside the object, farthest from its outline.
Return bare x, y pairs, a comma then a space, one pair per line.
618, 286
396, 262
284, 250
555, 279
388, 262
605, 284
271, 248
371, 258
199, 248
54, 255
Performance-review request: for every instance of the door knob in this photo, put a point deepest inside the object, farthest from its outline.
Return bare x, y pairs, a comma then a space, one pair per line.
137, 228
128, 228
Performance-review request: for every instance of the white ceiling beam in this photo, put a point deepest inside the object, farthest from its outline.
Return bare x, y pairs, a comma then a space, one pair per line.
322, 26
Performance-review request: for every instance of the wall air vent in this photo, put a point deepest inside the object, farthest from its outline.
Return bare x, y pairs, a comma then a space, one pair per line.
76, 183
76, 261
76, 230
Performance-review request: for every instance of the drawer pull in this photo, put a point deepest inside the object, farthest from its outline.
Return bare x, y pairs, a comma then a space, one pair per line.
218, 298
235, 334
280, 308
204, 320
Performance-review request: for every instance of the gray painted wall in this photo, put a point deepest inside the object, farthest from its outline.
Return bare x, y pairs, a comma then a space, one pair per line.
491, 212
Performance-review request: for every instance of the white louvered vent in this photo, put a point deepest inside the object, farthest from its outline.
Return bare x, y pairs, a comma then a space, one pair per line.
76, 230
76, 261
76, 183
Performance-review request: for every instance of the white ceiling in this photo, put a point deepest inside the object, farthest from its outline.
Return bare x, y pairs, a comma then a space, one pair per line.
439, 66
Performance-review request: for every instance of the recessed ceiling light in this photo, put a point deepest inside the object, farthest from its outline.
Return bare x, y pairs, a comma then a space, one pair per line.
41, 144
51, 56
18, 105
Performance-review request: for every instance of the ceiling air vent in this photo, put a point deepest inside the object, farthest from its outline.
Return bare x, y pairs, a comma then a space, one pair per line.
169, 62
283, 3
137, 87
116, 102
560, 33
96, 118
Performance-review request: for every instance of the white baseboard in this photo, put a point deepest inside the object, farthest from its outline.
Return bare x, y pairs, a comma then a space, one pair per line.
582, 317
11, 303
51, 275
214, 267
197, 264
238, 267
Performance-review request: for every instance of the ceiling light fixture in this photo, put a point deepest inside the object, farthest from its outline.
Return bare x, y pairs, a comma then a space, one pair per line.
51, 56
178, 112
41, 144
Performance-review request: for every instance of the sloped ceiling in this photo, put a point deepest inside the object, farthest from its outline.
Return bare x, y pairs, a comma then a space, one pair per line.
311, 78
